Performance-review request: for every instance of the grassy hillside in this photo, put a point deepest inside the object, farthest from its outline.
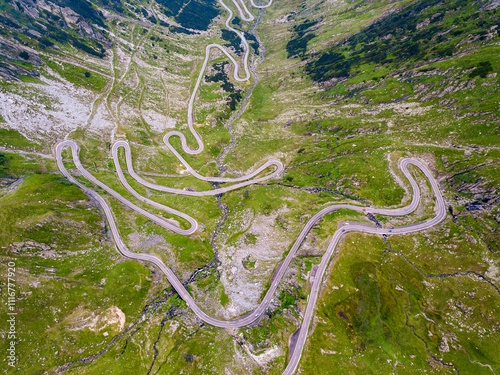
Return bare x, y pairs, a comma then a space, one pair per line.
344, 90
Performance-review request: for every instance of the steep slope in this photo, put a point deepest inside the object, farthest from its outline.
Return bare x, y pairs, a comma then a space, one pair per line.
342, 90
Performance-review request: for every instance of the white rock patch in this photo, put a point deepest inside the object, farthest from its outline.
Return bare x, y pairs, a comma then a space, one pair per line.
46, 109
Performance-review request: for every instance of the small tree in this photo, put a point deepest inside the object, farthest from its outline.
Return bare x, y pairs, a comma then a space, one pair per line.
482, 70
24, 55
87, 74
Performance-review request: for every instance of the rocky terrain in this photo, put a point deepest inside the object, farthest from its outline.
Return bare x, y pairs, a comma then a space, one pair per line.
343, 90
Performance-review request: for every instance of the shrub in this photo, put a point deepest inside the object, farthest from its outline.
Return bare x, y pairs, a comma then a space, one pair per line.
233, 39
298, 44
77, 44
4, 165
46, 42
481, 70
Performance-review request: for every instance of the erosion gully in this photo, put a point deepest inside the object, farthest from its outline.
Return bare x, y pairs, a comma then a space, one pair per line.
223, 168
390, 250
202, 272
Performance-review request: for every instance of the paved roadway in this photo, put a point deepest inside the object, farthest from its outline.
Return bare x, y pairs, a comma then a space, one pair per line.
247, 16
165, 223
280, 271
247, 180
240, 181
440, 211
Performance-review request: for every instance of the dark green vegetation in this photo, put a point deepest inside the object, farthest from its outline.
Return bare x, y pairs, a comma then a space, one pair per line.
426, 30
195, 14
481, 70
15, 139
46, 224
49, 28
220, 75
42, 187
177, 29
115, 5
54, 27
252, 42
301, 36
338, 178
72, 284
79, 76
388, 308
84, 8
426, 301
378, 313
4, 165
233, 39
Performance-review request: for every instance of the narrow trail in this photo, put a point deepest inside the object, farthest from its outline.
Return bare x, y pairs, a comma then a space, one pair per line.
97, 100
251, 178
252, 316
167, 98
117, 80
246, 16
127, 95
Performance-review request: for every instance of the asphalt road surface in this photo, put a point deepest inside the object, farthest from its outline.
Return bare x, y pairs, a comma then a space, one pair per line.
247, 180
344, 228
239, 182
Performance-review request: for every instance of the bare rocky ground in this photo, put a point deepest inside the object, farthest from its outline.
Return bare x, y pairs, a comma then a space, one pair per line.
246, 286
43, 111
143, 96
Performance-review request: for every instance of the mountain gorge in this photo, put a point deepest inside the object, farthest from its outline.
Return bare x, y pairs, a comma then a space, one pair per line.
339, 92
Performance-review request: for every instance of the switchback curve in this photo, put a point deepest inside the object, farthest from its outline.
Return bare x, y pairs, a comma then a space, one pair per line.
241, 181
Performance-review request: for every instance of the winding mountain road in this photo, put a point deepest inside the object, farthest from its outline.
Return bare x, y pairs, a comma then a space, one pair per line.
251, 178
440, 213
